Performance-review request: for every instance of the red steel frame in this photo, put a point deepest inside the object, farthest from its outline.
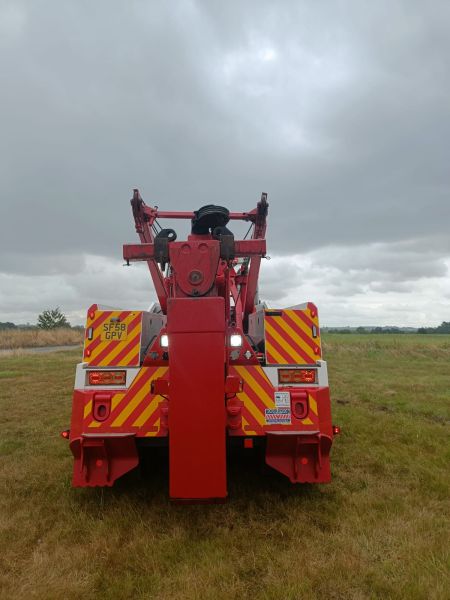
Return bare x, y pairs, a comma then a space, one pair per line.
145, 217
202, 386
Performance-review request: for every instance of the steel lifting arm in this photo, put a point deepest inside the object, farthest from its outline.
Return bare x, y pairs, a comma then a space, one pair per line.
144, 217
259, 217
146, 252
252, 250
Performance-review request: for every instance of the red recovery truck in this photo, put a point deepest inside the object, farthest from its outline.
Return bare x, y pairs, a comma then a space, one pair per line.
207, 366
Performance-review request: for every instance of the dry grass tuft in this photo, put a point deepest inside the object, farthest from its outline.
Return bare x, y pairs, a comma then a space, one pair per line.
11, 339
380, 530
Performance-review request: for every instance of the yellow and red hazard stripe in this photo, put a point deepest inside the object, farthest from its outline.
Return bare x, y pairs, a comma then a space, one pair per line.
138, 410
257, 395
131, 410
99, 352
313, 414
292, 337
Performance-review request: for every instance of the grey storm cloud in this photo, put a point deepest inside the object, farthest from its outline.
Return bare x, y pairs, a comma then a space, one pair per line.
339, 110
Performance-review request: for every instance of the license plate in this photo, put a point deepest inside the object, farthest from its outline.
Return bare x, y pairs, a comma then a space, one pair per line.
113, 331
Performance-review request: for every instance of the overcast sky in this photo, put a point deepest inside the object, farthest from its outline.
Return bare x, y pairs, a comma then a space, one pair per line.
339, 110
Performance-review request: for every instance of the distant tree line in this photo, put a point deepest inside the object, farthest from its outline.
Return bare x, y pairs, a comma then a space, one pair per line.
51, 318
54, 318
365, 330
444, 327
386, 330
7, 325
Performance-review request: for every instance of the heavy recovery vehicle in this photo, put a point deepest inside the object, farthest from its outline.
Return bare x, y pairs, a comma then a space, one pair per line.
208, 366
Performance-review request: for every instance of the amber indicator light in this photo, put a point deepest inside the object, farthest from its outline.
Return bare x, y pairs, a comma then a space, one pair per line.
107, 377
297, 375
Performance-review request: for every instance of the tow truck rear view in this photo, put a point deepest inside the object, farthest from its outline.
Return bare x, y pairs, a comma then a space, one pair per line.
207, 366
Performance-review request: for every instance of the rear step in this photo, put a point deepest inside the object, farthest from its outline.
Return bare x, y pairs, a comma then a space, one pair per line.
99, 461
304, 457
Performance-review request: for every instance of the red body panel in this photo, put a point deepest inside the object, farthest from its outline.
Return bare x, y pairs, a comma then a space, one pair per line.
197, 451
99, 461
202, 369
301, 452
302, 458
194, 264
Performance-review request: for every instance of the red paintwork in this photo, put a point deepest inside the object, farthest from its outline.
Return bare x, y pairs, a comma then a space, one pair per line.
304, 458
196, 329
195, 266
243, 248
99, 461
192, 391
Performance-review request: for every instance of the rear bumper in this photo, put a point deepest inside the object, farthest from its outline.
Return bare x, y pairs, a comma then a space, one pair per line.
107, 447
304, 457
100, 460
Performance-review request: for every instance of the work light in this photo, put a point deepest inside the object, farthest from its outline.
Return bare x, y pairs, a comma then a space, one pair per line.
235, 340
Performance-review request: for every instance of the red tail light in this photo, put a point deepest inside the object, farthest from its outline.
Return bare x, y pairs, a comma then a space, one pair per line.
297, 375
107, 377
65, 434
336, 430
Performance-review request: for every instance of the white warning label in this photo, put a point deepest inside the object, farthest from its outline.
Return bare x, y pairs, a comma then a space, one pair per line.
280, 416
282, 399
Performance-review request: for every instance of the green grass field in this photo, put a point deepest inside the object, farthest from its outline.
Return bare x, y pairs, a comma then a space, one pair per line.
379, 530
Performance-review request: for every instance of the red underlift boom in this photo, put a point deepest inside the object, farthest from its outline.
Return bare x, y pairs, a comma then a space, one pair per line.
209, 365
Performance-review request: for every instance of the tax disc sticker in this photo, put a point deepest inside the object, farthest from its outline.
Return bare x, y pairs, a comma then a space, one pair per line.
282, 399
